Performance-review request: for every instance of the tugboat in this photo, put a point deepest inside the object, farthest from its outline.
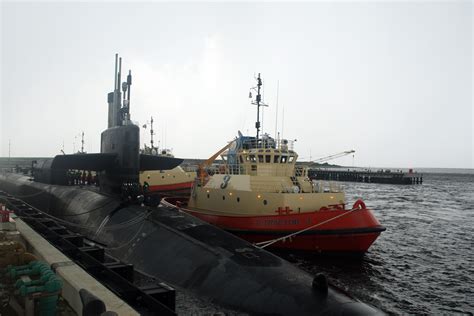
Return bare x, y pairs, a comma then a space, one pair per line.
259, 194
172, 182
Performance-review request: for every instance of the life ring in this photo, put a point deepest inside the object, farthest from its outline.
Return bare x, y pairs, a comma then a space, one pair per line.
359, 204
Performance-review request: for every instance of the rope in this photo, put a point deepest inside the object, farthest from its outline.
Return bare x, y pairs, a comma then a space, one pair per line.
131, 240
167, 204
29, 195
90, 211
267, 243
133, 221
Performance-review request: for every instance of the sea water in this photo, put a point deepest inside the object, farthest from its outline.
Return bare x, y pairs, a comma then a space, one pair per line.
424, 262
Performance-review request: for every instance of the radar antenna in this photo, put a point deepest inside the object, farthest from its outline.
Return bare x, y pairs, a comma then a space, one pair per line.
151, 134
258, 102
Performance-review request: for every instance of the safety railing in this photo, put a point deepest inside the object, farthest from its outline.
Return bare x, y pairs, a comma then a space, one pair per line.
242, 169
268, 142
327, 186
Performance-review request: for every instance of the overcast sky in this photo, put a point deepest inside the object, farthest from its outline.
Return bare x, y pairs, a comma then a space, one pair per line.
392, 81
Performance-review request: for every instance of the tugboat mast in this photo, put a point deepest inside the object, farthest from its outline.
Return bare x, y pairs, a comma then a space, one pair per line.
258, 102
151, 133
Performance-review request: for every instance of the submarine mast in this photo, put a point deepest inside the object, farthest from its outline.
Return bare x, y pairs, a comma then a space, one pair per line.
119, 110
82, 143
122, 137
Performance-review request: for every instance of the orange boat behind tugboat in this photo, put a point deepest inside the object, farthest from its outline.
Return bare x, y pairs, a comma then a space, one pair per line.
173, 182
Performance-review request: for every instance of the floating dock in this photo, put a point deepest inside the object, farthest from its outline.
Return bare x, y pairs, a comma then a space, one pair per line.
368, 176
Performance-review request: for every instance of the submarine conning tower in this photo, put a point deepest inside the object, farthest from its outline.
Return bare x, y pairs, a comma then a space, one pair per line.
122, 137
119, 162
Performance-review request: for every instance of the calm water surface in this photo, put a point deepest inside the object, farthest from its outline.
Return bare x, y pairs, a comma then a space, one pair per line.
424, 262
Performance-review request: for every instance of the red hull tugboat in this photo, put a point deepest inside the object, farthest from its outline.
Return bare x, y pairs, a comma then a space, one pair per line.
341, 230
260, 194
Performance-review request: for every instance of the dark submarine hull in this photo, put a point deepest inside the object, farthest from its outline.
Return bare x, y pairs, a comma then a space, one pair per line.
188, 253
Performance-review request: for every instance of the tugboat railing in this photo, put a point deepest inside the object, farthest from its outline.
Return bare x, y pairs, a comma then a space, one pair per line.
317, 186
242, 169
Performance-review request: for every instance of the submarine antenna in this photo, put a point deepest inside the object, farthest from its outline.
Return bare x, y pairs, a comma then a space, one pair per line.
129, 83
82, 141
151, 133
118, 104
115, 73
125, 110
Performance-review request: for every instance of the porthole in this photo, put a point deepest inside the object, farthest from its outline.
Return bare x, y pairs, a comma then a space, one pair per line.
238, 199
264, 202
208, 195
223, 197
162, 177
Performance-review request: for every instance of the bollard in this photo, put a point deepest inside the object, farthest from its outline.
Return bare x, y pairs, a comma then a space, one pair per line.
91, 304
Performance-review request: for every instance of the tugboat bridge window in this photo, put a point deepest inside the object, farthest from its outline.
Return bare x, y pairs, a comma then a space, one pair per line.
284, 158
241, 159
276, 158
292, 158
260, 158
252, 158
268, 158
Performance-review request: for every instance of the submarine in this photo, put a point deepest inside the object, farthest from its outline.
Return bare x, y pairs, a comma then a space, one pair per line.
176, 247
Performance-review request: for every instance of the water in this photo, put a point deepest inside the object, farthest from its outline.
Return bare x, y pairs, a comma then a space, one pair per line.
424, 262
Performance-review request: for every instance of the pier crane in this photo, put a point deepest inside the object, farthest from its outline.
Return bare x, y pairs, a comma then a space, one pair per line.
331, 157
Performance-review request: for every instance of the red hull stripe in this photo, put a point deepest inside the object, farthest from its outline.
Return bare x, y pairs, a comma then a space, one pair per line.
170, 187
352, 233
360, 219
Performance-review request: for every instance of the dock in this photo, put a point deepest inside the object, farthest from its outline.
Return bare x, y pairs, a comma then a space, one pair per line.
367, 176
83, 265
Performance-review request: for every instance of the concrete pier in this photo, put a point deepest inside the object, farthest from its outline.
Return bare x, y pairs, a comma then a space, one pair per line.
388, 177
74, 277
